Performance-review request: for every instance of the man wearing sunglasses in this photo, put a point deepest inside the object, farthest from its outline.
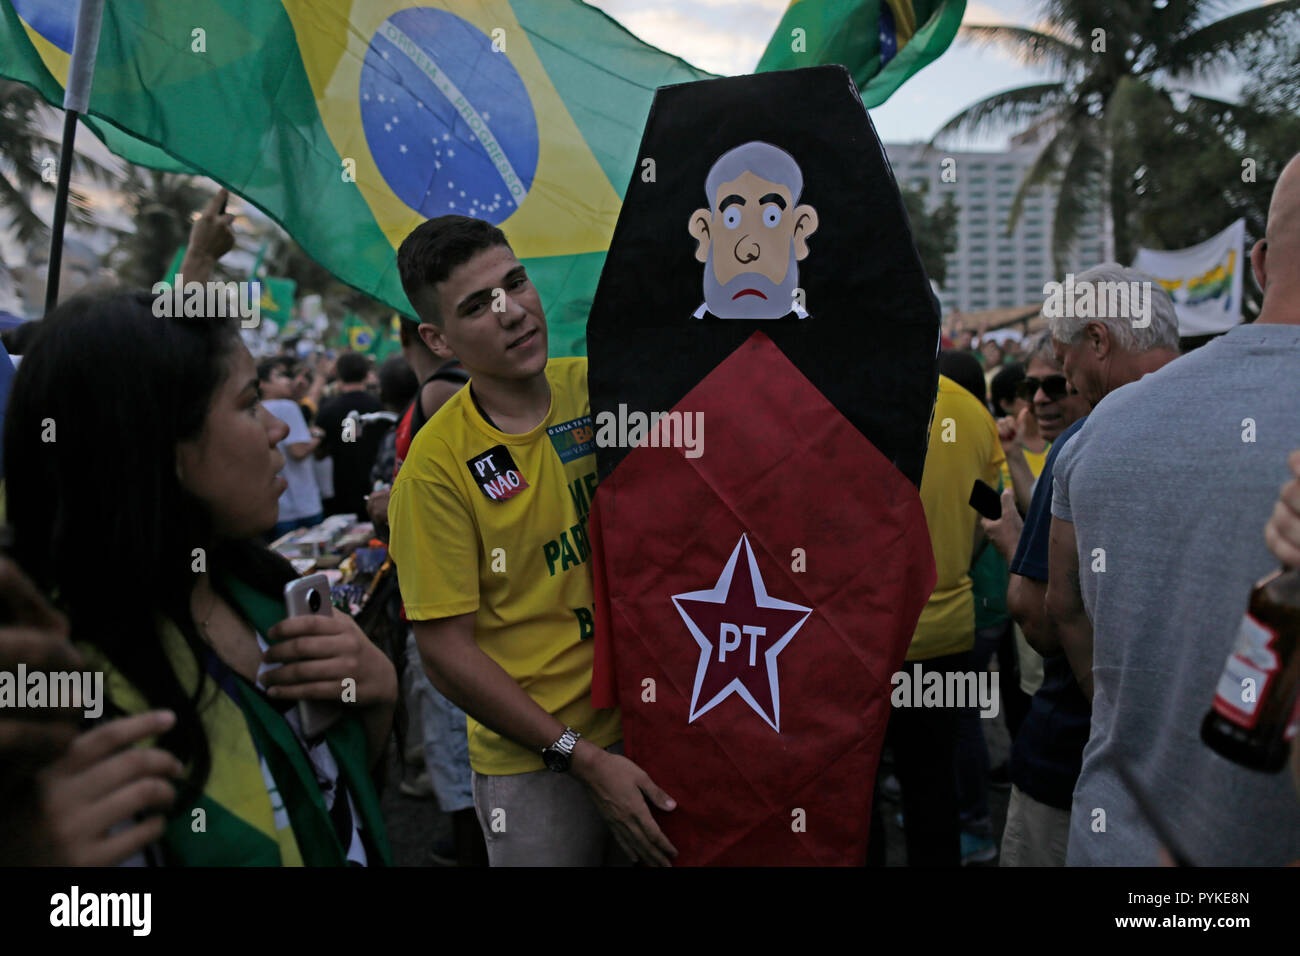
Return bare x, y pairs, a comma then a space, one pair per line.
1055, 390
1053, 407
1097, 355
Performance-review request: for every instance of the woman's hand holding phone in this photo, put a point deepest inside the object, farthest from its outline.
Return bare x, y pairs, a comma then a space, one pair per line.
319, 653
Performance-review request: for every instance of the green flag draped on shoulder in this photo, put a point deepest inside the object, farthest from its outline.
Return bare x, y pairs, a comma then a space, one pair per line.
880, 42
349, 123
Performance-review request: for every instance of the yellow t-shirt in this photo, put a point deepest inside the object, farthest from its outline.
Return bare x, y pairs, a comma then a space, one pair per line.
963, 446
1036, 459
486, 521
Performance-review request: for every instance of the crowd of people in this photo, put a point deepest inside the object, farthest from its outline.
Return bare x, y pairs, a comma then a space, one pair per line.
1139, 492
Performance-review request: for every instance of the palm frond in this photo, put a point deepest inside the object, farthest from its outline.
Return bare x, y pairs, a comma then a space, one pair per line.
1218, 44
1030, 46
1187, 16
1047, 164
1215, 106
1008, 108
1078, 191
28, 227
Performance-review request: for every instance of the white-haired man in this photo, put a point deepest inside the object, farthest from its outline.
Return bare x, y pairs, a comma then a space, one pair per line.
1099, 350
752, 234
1155, 545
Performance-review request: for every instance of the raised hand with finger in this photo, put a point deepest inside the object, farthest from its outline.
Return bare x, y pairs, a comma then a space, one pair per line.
211, 236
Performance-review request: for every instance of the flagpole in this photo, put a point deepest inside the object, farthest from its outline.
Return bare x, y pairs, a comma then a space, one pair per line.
76, 100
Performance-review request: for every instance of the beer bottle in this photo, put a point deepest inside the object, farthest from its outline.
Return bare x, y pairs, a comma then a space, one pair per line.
1256, 712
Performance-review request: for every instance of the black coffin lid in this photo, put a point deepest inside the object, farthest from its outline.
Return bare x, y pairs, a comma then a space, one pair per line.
870, 341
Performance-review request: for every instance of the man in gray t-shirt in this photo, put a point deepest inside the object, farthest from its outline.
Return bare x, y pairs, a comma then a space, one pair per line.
1165, 493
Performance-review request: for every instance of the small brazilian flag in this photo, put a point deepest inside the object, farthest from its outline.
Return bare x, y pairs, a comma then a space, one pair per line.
275, 300
356, 335
349, 122
880, 42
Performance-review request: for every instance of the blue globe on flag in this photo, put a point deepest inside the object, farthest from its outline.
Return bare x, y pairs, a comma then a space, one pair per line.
447, 118
55, 20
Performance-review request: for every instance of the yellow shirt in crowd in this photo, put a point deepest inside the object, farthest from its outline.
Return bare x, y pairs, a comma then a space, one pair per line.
1036, 459
496, 523
963, 446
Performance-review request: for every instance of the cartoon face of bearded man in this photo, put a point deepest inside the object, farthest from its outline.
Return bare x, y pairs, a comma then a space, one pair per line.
753, 235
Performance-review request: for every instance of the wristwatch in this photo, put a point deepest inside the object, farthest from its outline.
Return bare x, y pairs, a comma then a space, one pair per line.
559, 755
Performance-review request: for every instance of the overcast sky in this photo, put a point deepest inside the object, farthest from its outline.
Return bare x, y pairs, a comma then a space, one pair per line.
728, 36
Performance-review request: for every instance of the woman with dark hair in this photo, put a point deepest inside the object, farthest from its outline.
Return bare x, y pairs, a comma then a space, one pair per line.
141, 469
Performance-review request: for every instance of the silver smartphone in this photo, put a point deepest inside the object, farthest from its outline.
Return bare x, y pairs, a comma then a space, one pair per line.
311, 595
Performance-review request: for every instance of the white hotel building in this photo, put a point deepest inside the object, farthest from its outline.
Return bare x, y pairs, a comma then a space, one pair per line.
988, 269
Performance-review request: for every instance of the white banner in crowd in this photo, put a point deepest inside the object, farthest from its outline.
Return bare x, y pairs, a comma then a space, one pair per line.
1204, 280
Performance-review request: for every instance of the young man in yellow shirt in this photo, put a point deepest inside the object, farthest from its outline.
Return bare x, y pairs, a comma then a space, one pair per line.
488, 520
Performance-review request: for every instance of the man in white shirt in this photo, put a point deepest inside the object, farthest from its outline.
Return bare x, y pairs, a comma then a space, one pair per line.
300, 504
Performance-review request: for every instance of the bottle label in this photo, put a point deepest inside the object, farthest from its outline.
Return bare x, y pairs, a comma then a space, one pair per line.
1251, 667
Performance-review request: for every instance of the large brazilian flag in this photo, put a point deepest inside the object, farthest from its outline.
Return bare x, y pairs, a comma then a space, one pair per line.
881, 42
349, 122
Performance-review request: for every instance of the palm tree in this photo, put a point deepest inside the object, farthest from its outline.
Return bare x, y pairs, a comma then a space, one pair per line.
27, 157
161, 205
1118, 62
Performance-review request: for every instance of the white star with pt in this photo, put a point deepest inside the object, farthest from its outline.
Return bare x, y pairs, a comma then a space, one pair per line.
745, 618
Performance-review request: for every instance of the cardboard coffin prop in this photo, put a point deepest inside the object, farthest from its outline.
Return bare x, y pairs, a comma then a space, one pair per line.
762, 373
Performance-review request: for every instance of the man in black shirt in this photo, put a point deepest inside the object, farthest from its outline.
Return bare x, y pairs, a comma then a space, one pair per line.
353, 452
